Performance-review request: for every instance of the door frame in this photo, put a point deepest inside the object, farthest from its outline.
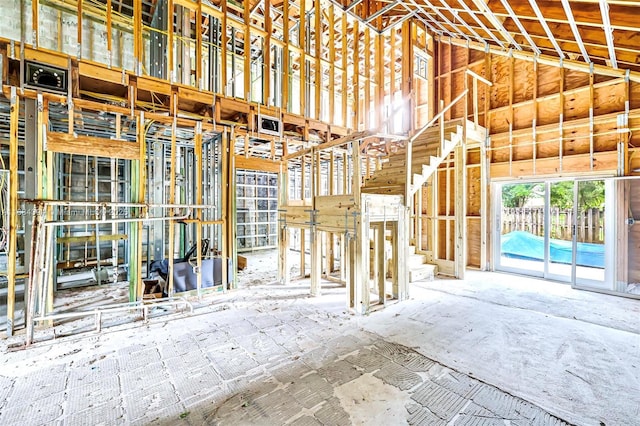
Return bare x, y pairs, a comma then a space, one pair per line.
572, 279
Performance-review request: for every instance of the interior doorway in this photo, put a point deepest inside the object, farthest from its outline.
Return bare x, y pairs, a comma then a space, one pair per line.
556, 229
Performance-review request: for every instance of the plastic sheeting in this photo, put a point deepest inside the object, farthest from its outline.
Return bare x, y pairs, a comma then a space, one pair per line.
524, 245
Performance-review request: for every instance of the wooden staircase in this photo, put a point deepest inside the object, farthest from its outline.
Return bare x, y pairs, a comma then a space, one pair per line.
427, 155
429, 150
419, 268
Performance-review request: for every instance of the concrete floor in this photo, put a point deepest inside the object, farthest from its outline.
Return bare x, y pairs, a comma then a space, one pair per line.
493, 349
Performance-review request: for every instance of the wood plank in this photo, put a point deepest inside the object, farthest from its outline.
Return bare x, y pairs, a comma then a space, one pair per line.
605, 162
51, 58
251, 163
242, 262
98, 72
154, 85
91, 238
193, 95
91, 145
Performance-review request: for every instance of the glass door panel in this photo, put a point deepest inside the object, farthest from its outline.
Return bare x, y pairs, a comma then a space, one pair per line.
590, 237
560, 217
521, 245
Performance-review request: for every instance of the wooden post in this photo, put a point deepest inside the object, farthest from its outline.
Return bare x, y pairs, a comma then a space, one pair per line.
283, 251
266, 69
223, 52
318, 66
380, 264
344, 56
316, 259
418, 221
332, 64
400, 284
367, 80
199, 74
460, 253
314, 233
343, 257
303, 254
484, 184
407, 76
247, 51
352, 272
302, 42
356, 77
362, 287
109, 35
330, 257
78, 29
285, 56
283, 231
137, 35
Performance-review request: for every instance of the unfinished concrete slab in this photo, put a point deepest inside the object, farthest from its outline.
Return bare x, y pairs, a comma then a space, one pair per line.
432, 360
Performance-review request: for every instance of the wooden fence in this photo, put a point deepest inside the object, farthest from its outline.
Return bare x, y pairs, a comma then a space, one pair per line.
590, 223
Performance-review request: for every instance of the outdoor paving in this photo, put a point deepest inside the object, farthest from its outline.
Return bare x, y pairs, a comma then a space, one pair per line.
267, 355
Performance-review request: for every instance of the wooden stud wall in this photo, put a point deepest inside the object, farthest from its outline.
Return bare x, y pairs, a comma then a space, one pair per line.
539, 120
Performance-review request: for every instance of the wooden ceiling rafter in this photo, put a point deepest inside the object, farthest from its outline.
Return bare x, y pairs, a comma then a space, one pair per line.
581, 29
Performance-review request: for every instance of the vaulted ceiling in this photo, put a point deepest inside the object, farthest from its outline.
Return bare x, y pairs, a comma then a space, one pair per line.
599, 31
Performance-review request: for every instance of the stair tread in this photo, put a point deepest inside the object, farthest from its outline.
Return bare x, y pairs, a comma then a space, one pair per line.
391, 178
425, 266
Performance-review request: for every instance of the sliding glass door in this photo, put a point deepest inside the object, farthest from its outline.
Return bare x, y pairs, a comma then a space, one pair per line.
521, 225
553, 229
590, 234
560, 215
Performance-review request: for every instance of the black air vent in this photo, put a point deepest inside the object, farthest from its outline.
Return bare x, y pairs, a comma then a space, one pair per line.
269, 125
39, 76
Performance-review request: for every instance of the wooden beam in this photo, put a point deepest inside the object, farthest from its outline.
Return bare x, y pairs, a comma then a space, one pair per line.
333, 143
252, 163
92, 146
547, 60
